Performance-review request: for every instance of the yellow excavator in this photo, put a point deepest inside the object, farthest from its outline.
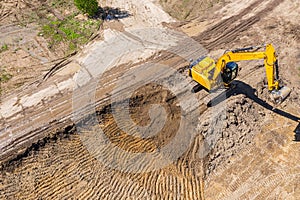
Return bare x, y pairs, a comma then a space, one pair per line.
211, 74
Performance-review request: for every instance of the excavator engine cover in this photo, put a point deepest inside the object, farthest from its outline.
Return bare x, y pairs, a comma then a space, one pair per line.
202, 71
230, 72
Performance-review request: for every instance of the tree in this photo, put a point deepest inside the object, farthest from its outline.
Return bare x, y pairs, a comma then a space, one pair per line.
87, 6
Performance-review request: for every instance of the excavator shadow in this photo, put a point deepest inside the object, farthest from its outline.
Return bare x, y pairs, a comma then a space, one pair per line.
243, 88
109, 13
297, 133
197, 88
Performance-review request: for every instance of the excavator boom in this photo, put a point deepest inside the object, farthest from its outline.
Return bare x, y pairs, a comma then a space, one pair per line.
207, 72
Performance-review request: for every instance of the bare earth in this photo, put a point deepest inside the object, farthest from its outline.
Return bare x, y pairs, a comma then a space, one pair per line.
44, 155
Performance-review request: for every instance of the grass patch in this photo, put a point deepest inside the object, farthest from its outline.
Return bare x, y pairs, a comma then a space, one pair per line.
58, 25
87, 6
70, 31
4, 76
61, 4
4, 47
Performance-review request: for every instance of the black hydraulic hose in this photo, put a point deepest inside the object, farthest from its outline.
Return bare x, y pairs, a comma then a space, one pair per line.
242, 49
254, 48
276, 70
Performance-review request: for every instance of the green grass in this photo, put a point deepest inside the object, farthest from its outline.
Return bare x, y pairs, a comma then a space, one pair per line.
4, 76
61, 4
4, 47
61, 29
71, 31
66, 35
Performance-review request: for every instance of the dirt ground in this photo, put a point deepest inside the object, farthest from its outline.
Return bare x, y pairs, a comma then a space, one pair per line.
255, 155
27, 53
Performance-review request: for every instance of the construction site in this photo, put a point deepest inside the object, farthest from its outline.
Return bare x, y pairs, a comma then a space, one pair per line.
150, 99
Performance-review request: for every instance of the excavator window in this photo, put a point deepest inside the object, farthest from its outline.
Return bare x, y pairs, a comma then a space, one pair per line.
230, 72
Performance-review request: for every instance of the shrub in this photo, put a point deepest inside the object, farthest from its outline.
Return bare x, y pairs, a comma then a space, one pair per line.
87, 6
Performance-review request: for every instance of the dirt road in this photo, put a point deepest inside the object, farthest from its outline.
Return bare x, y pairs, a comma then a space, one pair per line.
254, 155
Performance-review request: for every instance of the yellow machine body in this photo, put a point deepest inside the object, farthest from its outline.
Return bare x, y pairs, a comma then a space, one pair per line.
208, 73
203, 72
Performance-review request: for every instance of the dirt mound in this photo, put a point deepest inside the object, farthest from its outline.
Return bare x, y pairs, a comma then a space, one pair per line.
242, 123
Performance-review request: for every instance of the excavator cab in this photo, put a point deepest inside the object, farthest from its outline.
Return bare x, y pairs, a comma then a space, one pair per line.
230, 72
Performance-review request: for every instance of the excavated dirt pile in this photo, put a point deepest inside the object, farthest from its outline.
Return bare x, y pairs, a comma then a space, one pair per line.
241, 123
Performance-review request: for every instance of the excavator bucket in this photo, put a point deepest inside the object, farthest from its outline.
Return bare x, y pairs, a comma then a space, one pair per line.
278, 96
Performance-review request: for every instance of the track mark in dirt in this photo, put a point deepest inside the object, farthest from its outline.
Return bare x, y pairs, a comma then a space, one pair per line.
252, 178
229, 29
223, 25
15, 7
64, 168
140, 104
74, 172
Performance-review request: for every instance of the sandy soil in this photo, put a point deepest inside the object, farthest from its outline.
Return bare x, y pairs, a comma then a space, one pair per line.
253, 157
28, 56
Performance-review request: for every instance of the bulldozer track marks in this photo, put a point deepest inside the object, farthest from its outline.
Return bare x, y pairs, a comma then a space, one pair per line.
228, 30
75, 173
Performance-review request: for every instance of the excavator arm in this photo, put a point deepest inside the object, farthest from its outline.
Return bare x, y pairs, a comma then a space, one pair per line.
207, 72
270, 62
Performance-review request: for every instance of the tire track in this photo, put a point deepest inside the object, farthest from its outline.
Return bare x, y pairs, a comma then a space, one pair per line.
228, 30
222, 26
